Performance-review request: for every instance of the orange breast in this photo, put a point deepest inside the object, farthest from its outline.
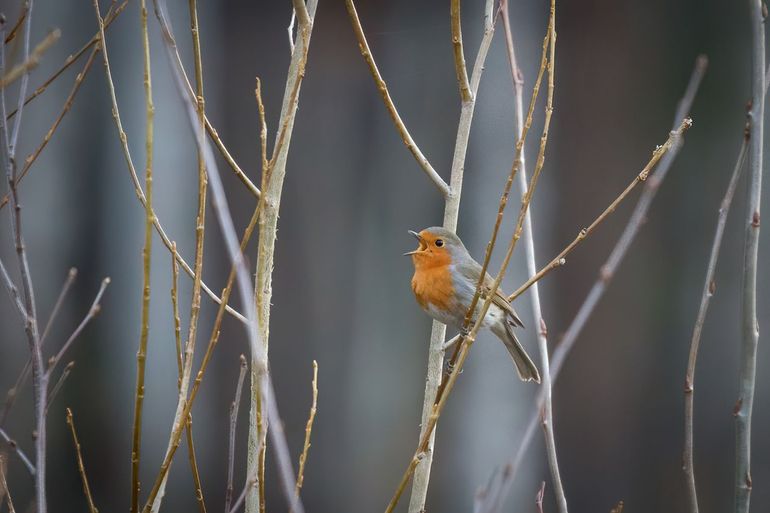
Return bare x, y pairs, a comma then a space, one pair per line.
433, 284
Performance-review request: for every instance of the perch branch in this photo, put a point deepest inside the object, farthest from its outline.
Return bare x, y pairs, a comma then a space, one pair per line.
451, 212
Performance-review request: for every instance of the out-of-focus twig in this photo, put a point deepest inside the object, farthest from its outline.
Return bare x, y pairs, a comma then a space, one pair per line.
4, 491
93, 311
32, 61
605, 276
234, 407
59, 384
15, 447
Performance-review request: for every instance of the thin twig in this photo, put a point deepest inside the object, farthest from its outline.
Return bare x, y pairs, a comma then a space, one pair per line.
451, 211
363, 45
15, 447
180, 417
4, 491
39, 376
71, 275
32, 62
559, 259
13, 393
607, 271
236, 255
144, 329
539, 497
93, 311
24, 83
550, 441
112, 14
750, 327
59, 384
709, 288
13, 291
17, 25
81, 466
308, 431
234, 406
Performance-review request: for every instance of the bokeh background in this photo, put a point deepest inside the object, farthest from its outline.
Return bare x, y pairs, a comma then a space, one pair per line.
341, 288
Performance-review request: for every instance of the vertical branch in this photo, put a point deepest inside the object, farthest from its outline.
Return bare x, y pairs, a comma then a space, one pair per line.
233, 423
750, 327
141, 355
529, 244
258, 418
39, 376
709, 287
451, 211
457, 46
81, 466
24, 81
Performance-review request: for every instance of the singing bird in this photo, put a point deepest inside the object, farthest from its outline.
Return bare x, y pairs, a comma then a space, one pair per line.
444, 283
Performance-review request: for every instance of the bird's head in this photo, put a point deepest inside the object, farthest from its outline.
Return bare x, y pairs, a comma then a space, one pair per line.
436, 247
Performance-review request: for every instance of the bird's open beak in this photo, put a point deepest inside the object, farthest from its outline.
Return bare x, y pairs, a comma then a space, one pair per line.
419, 239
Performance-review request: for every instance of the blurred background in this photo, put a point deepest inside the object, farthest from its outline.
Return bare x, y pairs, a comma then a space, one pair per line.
341, 286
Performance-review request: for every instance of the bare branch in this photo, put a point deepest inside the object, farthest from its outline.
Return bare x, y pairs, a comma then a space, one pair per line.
32, 61
234, 406
4, 491
457, 46
15, 447
81, 466
606, 273
92, 312
750, 326
59, 384
308, 431
363, 45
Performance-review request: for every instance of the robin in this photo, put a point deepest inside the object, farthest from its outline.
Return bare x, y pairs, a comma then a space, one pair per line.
444, 283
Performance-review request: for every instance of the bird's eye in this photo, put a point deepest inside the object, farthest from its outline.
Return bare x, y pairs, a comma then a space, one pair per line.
439, 243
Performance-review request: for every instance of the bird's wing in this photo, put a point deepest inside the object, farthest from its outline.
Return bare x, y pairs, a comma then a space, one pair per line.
472, 270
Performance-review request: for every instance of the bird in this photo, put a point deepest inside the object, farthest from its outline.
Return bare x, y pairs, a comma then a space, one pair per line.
444, 283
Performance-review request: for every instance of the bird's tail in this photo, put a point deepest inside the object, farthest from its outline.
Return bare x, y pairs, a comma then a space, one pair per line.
524, 365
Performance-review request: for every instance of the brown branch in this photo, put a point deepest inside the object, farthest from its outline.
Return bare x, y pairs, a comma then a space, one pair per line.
144, 330
4, 491
81, 466
32, 61
363, 45
308, 430
112, 14
585, 232
606, 274
457, 47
